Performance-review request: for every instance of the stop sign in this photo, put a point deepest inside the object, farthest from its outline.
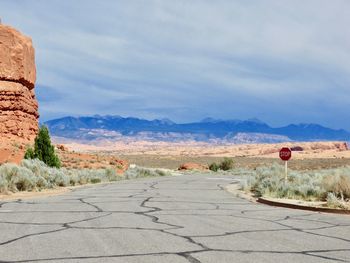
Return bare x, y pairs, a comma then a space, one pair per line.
285, 154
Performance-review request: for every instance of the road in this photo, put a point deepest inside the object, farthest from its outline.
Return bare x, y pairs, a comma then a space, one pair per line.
186, 218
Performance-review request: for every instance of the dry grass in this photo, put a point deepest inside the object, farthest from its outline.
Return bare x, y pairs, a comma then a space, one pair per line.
339, 184
331, 185
173, 162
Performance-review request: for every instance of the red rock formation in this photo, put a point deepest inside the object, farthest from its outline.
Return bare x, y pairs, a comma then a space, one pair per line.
17, 57
297, 149
193, 166
18, 105
341, 146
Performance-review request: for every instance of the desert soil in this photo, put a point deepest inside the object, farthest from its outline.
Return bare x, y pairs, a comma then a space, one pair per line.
314, 155
173, 162
30, 195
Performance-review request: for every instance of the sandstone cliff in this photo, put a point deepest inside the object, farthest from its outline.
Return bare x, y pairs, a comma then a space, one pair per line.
18, 105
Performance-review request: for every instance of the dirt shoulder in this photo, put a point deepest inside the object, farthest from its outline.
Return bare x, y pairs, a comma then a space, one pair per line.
30, 195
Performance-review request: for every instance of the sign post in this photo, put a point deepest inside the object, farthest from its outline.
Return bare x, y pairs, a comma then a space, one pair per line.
285, 155
285, 171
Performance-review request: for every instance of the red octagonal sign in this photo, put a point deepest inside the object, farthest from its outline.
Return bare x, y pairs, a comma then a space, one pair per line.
285, 154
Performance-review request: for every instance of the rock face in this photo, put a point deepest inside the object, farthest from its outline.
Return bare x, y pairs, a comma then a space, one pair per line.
18, 105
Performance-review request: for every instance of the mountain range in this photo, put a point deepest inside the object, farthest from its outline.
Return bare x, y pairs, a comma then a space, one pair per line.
96, 127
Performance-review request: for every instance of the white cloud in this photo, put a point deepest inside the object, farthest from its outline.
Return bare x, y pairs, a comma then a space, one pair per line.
227, 59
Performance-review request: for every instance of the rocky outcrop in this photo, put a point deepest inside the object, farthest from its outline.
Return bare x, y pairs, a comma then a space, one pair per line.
17, 61
341, 146
61, 147
193, 166
296, 149
18, 105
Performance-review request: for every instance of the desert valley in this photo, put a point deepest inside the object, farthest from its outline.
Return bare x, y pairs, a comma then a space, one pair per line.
81, 183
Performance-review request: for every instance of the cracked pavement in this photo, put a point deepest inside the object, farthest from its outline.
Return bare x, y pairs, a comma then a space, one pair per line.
189, 218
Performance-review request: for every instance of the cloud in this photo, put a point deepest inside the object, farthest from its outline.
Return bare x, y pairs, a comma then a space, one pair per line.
280, 61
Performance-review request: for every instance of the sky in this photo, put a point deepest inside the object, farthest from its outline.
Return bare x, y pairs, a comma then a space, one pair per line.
281, 61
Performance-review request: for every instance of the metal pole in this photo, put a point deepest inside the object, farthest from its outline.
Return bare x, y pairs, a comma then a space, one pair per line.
285, 171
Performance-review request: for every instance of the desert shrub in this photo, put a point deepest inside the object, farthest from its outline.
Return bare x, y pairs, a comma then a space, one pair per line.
334, 202
160, 172
269, 181
41, 183
92, 176
83, 180
29, 154
17, 178
44, 174
338, 183
119, 166
59, 178
214, 167
226, 164
36, 175
43, 149
139, 172
73, 178
95, 180
34, 165
3, 184
23, 181
320, 185
111, 174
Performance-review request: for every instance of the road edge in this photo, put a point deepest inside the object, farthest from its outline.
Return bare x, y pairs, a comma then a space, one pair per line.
267, 201
234, 189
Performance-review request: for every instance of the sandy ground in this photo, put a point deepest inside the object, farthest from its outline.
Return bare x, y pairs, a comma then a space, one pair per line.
14, 153
173, 162
29, 195
313, 155
309, 149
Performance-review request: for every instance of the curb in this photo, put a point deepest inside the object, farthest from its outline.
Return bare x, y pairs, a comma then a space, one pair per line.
302, 207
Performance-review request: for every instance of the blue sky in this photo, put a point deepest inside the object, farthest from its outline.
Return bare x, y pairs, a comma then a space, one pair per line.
282, 61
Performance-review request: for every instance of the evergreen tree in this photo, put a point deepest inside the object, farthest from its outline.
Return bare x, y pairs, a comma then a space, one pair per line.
43, 149
29, 154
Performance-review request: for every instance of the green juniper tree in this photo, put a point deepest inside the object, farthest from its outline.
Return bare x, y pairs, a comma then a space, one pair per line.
43, 149
29, 154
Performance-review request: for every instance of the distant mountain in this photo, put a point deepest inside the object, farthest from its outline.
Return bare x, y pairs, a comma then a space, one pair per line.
237, 131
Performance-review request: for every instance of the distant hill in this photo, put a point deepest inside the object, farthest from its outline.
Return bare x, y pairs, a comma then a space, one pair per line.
237, 131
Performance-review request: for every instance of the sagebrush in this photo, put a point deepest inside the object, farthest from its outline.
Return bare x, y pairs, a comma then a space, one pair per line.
35, 175
318, 185
139, 172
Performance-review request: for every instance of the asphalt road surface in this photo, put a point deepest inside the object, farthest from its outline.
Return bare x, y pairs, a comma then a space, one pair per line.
169, 219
